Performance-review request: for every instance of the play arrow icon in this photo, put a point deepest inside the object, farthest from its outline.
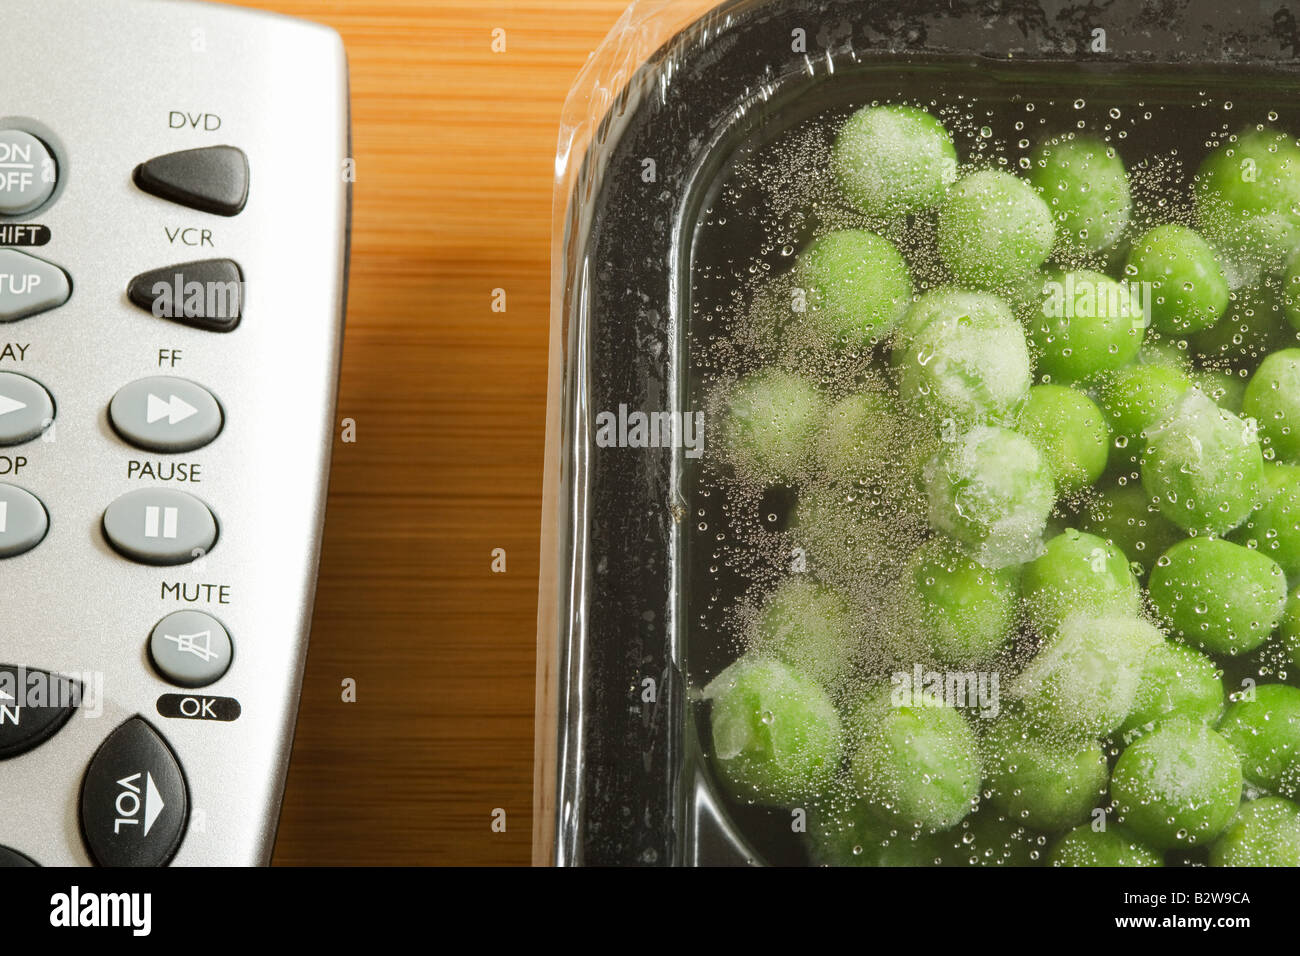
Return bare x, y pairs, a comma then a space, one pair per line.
153, 803
174, 409
8, 405
5, 695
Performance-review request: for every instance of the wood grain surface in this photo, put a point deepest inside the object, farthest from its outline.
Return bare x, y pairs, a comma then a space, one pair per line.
455, 149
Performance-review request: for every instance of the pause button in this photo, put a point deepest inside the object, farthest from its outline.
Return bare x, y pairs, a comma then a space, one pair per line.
160, 526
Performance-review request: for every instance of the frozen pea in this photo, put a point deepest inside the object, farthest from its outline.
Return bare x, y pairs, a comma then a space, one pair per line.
1272, 398
1046, 785
1127, 517
1247, 196
1087, 324
858, 286
1169, 352
1274, 529
946, 303
1225, 388
808, 626
1072, 433
771, 420
919, 763
893, 160
860, 438
1139, 397
1086, 187
1078, 572
1084, 846
992, 490
1177, 786
988, 838
859, 837
1266, 735
994, 229
1290, 295
1251, 327
1218, 596
966, 611
1265, 832
1084, 680
1204, 465
970, 368
1176, 682
1188, 291
777, 738
1289, 630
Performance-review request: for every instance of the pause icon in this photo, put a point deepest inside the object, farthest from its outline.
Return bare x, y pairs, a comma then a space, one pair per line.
170, 516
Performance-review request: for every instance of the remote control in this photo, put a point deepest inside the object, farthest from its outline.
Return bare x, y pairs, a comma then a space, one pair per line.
174, 216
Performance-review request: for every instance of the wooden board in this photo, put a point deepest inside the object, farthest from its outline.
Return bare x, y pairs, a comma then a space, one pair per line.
455, 152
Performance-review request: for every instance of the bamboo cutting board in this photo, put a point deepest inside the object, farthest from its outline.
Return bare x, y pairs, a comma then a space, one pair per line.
455, 151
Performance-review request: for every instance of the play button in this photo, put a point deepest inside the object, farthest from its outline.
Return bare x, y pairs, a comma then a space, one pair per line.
26, 408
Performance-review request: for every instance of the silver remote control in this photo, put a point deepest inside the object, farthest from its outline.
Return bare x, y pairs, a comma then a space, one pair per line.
174, 214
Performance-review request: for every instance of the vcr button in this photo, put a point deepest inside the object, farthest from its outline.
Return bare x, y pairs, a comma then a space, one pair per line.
23, 521
28, 174
33, 706
207, 294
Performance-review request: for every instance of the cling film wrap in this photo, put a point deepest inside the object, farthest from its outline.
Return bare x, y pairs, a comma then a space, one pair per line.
650, 128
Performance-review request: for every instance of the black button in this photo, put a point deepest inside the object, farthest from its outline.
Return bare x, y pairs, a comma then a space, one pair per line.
211, 179
33, 706
134, 804
10, 857
208, 294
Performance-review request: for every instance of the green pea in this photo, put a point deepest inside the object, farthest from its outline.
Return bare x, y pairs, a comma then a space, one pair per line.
777, 739
1247, 196
1188, 290
1087, 324
1219, 596
1290, 294
859, 837
967, 612
893, 160
1078, 572
1290, 629
1139, 397
1072, 433
946, 303
994, 229
1127, 517
1266, 734
858, 287
1272, 398
1177, 786
968, 368
861, 438
987, 838
1084, 680
919, 764
1204, 465
1176, 682
1084, 846
1225, 388
992, 490
808, 626
1251, 327
772, 418
1166, 351
1274, 529
1084, 183
1265, 832
1044, 784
